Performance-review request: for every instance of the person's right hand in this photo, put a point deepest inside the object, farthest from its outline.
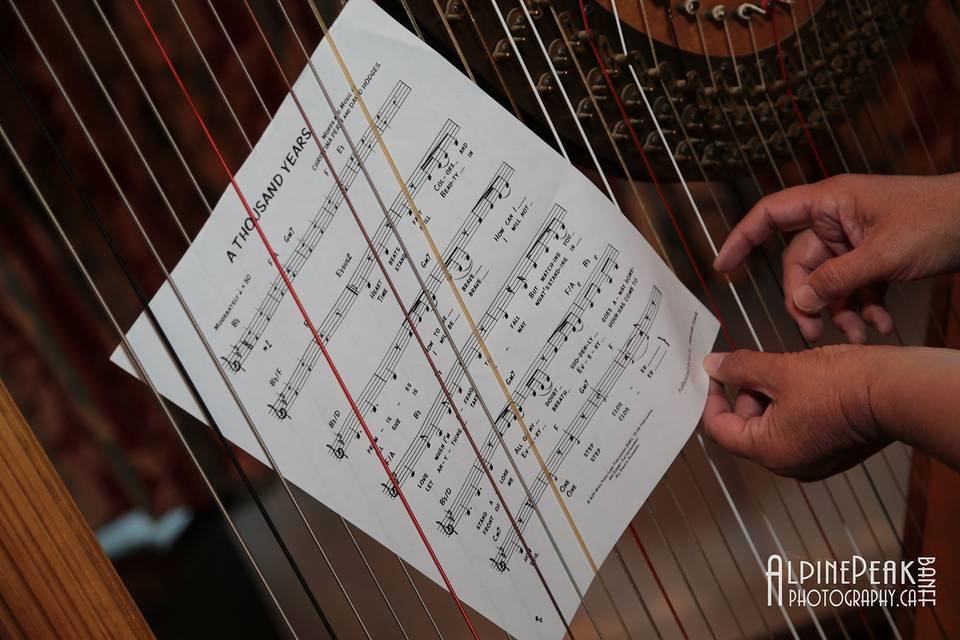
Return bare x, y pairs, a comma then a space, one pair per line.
856, 233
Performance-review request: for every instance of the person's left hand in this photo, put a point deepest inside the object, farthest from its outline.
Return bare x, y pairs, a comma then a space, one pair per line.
807, 415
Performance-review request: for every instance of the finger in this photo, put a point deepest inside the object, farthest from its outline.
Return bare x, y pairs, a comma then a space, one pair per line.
840, 277
736, 434
751, 369
749, 404
873, 310
848, 320
786, 210
717, 403
804, 253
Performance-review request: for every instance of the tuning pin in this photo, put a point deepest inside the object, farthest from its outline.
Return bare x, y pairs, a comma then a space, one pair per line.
621, 133
689, 8
518, 24
454, 11
559, 54
585, 111
597, 83
746, 9
718, 14
545, 83
502, 52
652, 143
663, 110
630, 97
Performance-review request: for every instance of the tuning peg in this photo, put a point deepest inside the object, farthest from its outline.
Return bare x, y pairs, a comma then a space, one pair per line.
689, 8
746, 9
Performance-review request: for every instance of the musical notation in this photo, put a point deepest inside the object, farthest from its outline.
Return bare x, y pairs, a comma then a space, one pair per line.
387, 367
572, 322
305, 245
552, 274
496, 311
569, 437
358, 281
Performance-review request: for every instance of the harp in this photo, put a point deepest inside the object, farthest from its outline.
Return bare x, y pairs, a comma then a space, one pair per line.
683, 113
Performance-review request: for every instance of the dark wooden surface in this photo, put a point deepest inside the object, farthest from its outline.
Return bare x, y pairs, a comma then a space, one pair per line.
55, 581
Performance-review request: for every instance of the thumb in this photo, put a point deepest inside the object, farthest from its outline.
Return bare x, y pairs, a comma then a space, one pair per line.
752, 369
838, 278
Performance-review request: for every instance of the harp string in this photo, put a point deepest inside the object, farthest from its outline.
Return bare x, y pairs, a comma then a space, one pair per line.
866, 471
687, 139
722, 215
900, 88
410, 261
588, 143
651, 566
682, 241
313, 330
128, 350
461, 304
804, 493
209, 211
140, 295
461, 362
174, 288
559, 84
347, 527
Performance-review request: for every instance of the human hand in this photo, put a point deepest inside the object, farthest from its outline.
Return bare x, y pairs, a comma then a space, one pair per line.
855, 234
806, 415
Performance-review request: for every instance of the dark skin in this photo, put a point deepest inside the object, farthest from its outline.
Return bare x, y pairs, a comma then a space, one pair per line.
818, 412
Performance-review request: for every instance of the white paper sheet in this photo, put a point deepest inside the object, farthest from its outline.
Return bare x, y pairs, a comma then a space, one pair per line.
598, 341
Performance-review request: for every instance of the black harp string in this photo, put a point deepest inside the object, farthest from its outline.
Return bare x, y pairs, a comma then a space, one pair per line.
723, 216
679, 173
868, 476
815, 621
665, 539
866, 471
713, 467
449, 338
860, 149
598, 111
175, 289
162, 193
458, 356
189, 172
692, 149
347, 527
558, 83
843, 162
383, 269
93, 214
141, 371
710, 461
481, 342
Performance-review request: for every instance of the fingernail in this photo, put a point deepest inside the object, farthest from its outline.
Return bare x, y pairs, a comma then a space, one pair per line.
711, 364
807, 299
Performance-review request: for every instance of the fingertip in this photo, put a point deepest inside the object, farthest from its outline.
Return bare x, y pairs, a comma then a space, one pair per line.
711, 364
856, 335
879, 318
807, 300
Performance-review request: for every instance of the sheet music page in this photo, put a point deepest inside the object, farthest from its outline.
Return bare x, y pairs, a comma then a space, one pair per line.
599, 343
